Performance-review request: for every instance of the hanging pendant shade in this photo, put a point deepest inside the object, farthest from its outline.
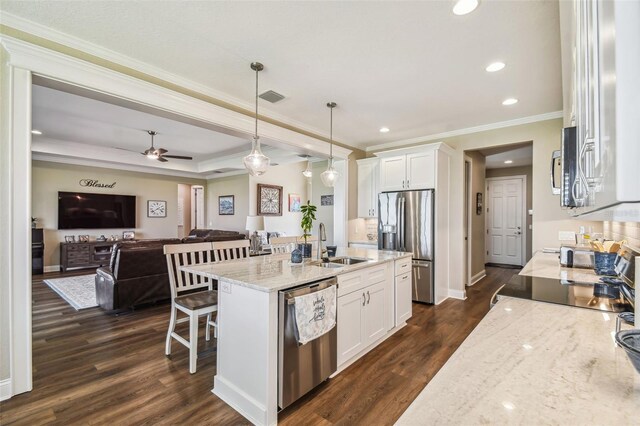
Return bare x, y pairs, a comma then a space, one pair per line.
256, 162
330, 176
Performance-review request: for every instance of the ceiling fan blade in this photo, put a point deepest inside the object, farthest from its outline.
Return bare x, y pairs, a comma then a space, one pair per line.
161, 151
124, 149
162, 159
179, 157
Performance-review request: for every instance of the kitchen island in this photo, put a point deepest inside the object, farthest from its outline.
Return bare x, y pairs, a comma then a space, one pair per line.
247, 339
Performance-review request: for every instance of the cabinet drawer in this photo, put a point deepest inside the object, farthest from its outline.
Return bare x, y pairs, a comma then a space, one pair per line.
77, 255
353, 281
375, 274
403, 266
77, 248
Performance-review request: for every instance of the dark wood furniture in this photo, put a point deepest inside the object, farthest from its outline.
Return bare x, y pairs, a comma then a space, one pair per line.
37, 251
85, 255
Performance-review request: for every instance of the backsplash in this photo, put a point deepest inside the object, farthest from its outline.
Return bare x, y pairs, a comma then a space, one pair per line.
629, 231
359, 228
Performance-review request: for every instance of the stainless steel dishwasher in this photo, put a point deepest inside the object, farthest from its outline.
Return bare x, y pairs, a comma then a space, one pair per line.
302, 368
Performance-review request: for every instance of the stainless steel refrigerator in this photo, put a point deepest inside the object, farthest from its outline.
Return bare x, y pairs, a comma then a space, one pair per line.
405, 223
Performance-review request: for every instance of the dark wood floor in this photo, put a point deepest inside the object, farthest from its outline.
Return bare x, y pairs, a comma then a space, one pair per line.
93, 368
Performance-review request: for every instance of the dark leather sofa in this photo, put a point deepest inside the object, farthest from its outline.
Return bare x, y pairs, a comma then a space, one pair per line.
137, 272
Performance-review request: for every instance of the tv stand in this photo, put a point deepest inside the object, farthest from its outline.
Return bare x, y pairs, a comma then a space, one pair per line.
85, 255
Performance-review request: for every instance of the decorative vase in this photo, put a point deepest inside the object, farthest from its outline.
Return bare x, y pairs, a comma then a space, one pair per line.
305, 248
296, 256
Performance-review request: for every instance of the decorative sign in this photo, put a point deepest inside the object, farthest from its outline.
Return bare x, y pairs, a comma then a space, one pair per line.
93, 183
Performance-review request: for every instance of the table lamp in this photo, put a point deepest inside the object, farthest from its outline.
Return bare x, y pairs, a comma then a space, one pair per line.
255, 224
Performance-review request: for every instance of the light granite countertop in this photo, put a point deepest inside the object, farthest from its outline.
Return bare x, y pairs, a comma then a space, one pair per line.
533, 363
547, 265
276, 272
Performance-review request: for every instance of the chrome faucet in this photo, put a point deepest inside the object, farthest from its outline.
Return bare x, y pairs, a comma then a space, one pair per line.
322, 236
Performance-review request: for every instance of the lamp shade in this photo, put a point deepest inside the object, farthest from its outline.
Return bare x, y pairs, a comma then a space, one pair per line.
255, 223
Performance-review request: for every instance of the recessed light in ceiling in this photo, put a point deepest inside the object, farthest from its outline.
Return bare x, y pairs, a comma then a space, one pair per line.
508, 161
462, 7
496, 66
384, 129
36, 132
510, 101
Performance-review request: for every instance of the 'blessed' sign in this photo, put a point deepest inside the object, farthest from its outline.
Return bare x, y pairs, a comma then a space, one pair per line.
95, 184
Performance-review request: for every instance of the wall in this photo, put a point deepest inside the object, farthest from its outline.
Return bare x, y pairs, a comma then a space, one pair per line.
629, 231
238, 186
289, 176
184, 204
49, 178
528, 172
324, 214
477, 221
5, 218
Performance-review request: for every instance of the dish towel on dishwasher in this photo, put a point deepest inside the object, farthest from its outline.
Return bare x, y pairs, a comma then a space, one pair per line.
315, 314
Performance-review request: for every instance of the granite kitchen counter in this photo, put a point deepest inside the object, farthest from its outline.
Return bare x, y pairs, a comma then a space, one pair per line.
276, 272
547, 265
530, 362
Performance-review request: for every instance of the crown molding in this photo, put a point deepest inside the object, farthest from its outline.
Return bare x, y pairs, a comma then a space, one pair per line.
38, 30
466, 131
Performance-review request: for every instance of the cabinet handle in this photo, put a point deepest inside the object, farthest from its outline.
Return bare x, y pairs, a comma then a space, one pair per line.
403, 184
405, 277
368, 297
407, 184
364, 299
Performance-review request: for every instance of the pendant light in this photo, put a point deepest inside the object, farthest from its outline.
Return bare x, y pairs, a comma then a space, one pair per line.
256, 162
330, 176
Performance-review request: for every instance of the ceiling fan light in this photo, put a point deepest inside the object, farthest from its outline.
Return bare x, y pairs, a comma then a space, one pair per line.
256, 162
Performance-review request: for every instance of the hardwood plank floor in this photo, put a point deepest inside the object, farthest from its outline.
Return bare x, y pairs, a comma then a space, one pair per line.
94, 368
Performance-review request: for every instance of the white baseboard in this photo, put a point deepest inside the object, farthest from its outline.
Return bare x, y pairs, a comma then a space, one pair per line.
477, 277
5, 389
458, 294
244, 404
52, 268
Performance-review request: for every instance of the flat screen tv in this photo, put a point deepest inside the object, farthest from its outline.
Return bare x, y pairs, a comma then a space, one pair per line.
78, 210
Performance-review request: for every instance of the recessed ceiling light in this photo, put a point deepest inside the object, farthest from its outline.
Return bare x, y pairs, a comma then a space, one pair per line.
508, 161
462, 7
36, 132
496, 66
510, 101
384, 129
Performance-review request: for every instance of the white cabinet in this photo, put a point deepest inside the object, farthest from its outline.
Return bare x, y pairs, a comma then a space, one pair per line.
350, 326
363, 309
410, 171
402, 290
368, 187
603, 49
374, 324
403, 298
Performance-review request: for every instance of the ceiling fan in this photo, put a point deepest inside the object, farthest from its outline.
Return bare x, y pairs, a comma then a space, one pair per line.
160, 154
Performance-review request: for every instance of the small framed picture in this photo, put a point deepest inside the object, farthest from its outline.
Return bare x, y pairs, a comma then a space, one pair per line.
128, 235
69, 238
294, 202
226, 205
326, 200
83, 238
156, 208
478, 203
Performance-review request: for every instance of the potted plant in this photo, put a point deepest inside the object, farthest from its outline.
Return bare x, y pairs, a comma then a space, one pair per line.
308, 216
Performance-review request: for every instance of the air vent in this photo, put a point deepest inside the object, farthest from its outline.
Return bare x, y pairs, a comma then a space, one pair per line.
272, 96
225, 170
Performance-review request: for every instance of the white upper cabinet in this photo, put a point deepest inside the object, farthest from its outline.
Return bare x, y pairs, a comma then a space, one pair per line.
368, 187
410, 171
604, 50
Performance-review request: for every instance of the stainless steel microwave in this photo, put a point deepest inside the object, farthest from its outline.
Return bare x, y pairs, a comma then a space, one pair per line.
564, 171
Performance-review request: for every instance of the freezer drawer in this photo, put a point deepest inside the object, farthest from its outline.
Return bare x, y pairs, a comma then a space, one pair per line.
422, 289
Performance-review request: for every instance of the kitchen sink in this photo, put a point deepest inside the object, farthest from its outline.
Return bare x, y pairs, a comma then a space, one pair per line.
327, 264
347, 260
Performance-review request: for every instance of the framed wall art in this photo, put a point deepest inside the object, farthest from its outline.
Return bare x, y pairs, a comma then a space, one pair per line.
269, 200
478, 203
326, 200
295, 201
128, 235
226, 205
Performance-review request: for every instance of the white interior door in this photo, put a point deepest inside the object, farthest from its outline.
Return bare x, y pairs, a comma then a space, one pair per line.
504, 220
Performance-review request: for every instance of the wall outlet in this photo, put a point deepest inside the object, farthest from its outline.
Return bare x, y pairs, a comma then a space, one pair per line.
567, 236
225, 287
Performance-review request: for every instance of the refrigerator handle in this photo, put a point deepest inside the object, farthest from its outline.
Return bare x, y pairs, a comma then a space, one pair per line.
401, 225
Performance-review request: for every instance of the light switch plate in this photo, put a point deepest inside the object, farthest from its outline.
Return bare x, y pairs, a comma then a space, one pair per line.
567, 236
225, 287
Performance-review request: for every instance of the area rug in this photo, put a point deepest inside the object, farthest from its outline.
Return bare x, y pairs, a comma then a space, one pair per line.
79, 291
